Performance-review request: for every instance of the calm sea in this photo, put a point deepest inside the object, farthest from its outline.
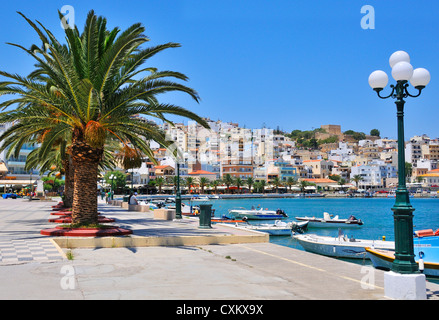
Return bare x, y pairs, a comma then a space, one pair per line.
375, 213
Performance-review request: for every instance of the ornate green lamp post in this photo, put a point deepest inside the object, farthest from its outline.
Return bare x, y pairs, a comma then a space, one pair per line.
178, 195
402, 72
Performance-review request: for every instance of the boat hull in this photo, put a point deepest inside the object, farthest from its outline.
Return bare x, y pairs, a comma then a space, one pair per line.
382, 259
321, 223
255, 215
259, 216
340, 248
277, 229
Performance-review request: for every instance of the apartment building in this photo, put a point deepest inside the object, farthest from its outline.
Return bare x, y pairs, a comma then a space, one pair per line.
374, 174
320, 168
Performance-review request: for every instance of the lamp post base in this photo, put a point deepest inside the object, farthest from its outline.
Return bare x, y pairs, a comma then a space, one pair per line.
178, 207
405, 286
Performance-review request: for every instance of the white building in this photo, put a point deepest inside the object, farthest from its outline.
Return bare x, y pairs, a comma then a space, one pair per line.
374, 174
415, 147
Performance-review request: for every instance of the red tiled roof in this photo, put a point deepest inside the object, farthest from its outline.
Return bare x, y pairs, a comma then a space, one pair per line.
201, 172
320, 180
162, 167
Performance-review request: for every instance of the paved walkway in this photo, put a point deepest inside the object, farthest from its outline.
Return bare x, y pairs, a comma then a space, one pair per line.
250, 271
20, 240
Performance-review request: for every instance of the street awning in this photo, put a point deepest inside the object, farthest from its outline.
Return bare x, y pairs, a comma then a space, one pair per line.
17, 182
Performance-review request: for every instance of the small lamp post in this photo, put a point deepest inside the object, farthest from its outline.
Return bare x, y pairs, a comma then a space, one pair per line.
111, 186
178, 194
402, 72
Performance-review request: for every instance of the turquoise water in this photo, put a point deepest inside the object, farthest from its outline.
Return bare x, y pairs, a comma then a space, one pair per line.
375, 213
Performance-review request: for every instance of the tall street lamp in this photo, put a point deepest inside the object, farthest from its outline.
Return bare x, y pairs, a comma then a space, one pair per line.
402, 72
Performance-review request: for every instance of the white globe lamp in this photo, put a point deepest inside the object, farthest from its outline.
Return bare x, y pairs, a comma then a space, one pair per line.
398, 56
378, 79
420, 78
402, 71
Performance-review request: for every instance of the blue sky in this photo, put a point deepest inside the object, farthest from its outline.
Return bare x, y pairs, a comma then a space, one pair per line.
287, 63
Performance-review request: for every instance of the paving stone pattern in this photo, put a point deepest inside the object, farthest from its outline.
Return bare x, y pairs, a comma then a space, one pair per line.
28, 250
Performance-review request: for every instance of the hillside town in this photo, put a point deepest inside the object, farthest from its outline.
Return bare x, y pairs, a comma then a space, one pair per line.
228, 158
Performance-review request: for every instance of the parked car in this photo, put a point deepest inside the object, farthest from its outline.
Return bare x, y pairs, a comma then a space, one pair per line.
9, 195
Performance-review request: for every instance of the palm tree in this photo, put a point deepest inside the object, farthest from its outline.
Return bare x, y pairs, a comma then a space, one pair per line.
228, 181
62, 162
303, 184
341, 183
277, 183
189, 181
250, 181
90, 89
260, 186
215, 184
174, 182
238, 183
357, 178
159, 182
291, 181
203, 181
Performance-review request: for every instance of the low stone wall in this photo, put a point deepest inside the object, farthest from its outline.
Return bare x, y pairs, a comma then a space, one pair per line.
164, 214
138, 207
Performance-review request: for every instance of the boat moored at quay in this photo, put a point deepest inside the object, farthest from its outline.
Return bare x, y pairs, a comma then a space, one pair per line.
257, 214
328, 222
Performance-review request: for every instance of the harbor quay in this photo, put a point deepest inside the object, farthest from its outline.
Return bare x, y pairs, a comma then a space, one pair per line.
167, 260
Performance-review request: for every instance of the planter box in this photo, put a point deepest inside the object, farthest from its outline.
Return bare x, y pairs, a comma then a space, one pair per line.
115, 202
164, 214
137, 207
124, 205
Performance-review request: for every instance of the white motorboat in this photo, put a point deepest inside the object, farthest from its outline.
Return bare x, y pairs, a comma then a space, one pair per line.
328, 222
198, 198
341, 246
151, 205
278, 228
257, 214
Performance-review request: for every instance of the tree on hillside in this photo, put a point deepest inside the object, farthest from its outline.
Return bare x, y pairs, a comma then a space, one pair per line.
356, 135
375, 132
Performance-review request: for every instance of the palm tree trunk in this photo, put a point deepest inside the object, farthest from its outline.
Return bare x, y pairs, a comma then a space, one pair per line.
69, 182
85, 202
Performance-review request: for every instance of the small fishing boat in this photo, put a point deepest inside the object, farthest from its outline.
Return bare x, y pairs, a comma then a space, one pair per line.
257, 214
426, 250
383, 259
328, 222
341, 246
278, 228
